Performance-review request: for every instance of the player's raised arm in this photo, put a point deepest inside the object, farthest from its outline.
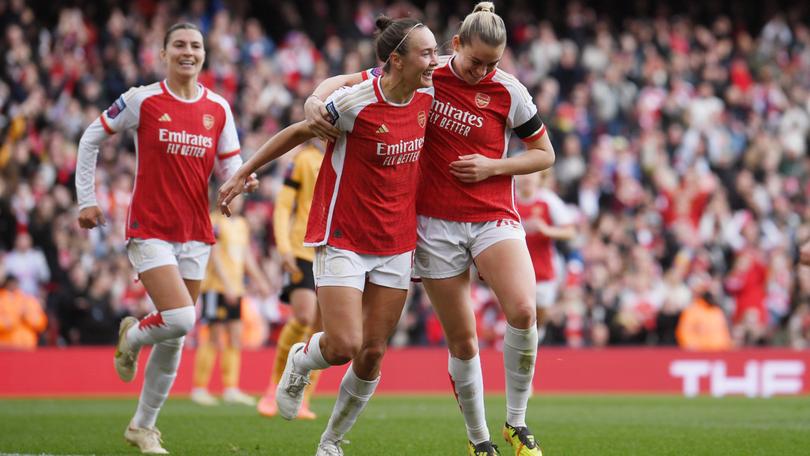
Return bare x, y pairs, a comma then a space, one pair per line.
275, 147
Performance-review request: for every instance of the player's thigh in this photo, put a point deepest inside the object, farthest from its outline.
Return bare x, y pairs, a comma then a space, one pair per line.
451, 301
507, 268
166, 288
382, 308
342, 314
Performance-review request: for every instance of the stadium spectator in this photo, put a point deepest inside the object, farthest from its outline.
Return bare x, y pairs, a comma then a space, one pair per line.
22, 319
28, 265
703, 325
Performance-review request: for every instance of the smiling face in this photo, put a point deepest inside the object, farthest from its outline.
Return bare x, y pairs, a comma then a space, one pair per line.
183, 54
475, 60
416, 66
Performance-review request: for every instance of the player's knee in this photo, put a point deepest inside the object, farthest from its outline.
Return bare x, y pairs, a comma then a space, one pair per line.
463, 348
344, 349
522, 314
180, 321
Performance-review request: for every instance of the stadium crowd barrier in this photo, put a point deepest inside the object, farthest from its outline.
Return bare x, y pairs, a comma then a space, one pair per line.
753, 372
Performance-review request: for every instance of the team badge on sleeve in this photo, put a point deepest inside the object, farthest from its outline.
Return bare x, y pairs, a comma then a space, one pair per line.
481, 100
421, 118
330, 107
208, 121
116, 108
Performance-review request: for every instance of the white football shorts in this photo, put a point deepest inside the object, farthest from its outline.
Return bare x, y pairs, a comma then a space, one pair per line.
445, 248
344, 268
190, 257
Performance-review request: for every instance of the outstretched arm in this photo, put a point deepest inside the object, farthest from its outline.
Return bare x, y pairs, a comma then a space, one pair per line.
275, 147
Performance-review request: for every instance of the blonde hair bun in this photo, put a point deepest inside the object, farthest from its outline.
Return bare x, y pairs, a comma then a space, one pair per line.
487, 7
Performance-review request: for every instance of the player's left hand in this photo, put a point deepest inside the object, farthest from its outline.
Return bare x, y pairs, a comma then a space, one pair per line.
230, 190
473, 168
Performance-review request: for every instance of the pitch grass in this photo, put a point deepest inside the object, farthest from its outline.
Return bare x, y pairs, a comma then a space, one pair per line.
423, 425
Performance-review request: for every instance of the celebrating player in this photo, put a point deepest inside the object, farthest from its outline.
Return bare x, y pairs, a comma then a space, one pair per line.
181, 129
362, 221
296, 259
467, 214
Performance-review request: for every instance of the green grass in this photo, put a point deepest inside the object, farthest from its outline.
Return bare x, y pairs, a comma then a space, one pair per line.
424, 425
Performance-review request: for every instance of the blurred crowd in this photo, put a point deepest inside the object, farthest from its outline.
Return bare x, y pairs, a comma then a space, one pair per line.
681, 136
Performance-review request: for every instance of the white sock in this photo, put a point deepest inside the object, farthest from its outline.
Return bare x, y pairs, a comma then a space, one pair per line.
468, 386
159, 326
161, 369
310, 358
352, 399
519, 356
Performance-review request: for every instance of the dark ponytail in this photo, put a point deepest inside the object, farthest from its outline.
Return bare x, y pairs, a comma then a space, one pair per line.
392, 37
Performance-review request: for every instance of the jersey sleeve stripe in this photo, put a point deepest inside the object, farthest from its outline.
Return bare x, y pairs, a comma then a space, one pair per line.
105, 125
225, 155
352, 100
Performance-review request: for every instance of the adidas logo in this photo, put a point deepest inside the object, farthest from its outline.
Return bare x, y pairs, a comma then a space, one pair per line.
382, 129
165, 118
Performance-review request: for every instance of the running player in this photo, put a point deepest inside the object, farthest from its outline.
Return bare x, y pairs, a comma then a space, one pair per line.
296, 259
362, 221
222, 291
467, 214
545, 219
181, 129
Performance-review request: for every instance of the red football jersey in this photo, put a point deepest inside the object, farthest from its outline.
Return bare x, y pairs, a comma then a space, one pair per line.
364, 197
467, 119
176, 143
548, 207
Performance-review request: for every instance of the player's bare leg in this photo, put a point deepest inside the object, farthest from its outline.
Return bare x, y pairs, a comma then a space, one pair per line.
507, 268
451, 301
165, 329
341, 339
382, 308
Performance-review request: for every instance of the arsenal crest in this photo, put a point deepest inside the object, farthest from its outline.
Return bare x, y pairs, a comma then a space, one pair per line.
481, 100
421, 118
208, 121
